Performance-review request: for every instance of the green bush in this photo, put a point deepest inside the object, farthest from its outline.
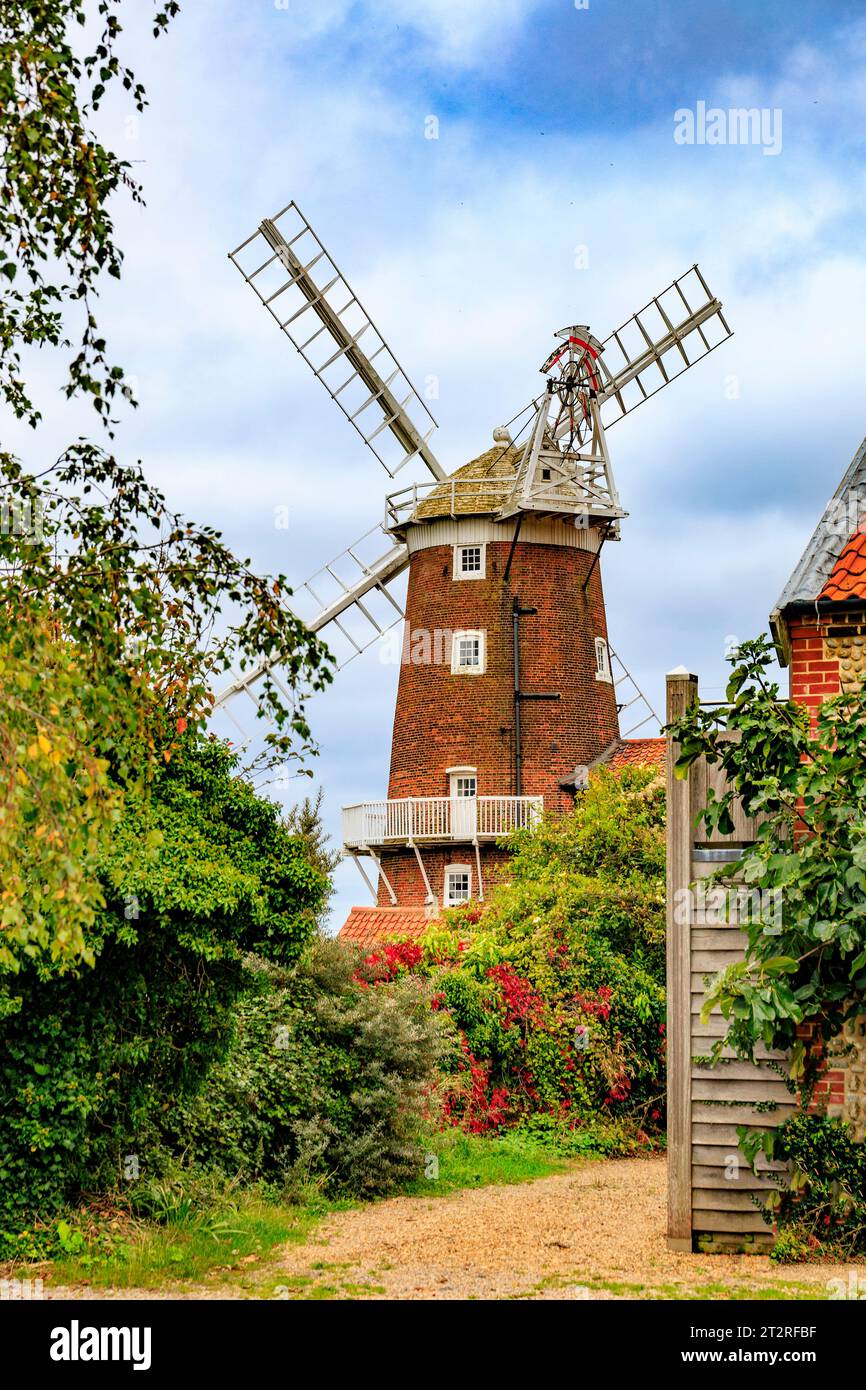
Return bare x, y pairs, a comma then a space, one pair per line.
92, 1057
822, 1211
327, 1080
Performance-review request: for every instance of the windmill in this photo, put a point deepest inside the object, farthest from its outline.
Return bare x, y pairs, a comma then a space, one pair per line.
508, 686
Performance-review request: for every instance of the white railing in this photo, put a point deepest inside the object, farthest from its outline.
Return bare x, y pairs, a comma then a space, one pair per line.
434, 818
460, 495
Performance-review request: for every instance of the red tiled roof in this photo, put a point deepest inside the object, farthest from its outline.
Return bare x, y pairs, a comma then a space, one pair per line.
848, 578
367, 925
637, 752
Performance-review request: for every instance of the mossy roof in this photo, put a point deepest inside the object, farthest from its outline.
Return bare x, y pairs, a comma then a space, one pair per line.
480, 486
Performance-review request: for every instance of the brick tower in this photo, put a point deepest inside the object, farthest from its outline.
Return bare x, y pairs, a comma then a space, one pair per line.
506, 690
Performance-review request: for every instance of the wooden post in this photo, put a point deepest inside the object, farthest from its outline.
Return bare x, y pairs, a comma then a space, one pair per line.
682, 691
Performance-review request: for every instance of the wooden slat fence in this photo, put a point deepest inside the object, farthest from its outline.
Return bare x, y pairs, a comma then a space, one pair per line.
710, 1183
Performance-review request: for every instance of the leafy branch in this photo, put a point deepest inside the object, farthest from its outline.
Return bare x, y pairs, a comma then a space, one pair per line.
56, 232
118, 618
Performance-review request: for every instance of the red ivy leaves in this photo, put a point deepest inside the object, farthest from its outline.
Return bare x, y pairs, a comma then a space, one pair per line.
521, 1003
393, 959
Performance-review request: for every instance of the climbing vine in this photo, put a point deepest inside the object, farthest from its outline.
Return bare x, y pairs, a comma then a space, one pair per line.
805, 961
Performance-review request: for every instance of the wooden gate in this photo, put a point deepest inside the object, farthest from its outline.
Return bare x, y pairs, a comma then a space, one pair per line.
710, 1184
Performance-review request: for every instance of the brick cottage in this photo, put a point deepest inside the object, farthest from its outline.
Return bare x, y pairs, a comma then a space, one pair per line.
819, 627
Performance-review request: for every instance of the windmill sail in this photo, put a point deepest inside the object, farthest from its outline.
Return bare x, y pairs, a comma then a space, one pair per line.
352, 601
632, 705
676, 329
565, 465
287, 266
657, 344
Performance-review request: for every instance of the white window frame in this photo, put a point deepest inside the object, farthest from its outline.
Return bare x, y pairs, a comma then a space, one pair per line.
459, 572
471, 634
465, 774
602, 661
446, 884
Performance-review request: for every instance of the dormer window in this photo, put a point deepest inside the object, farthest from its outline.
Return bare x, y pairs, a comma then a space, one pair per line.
602, 660
469, 561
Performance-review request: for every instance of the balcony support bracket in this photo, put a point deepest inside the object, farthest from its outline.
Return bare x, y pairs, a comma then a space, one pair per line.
384, 877
363, 872
478, 867
430, 900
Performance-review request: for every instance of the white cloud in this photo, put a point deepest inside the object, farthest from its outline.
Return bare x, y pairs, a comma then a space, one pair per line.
462, 33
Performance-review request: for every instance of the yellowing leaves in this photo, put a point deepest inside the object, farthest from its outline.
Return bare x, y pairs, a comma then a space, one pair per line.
40, 747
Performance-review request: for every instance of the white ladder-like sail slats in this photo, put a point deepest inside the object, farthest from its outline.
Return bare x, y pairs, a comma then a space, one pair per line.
624, 683
650, 342
379, 401
346, 596
344, 601
675, 330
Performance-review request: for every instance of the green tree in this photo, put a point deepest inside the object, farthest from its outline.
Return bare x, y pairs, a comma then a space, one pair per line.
117, 619
117, 616
198, 875
327, 1080
305, 820
556, 981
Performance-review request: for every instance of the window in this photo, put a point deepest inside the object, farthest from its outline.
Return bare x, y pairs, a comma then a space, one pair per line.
602, 660
464, 786
467, 653
469, 561
458, 885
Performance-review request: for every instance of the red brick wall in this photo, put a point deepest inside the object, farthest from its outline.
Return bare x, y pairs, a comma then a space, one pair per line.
828, 653
405, 876
818, 643
813, 678
444, 720
829, 1093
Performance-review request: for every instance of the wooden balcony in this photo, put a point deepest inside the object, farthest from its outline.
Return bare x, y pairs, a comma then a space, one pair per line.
437, 820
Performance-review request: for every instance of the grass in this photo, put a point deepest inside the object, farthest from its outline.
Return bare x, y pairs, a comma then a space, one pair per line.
468, 1160
713, 1291
196, 1234
222, 1238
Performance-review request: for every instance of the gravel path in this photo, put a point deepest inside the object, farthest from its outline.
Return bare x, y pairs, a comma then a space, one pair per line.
596, 1231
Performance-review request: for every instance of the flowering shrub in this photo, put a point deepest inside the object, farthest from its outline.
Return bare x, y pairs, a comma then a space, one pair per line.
555, 984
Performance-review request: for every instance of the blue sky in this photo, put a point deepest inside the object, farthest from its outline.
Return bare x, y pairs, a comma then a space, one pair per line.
555, 131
